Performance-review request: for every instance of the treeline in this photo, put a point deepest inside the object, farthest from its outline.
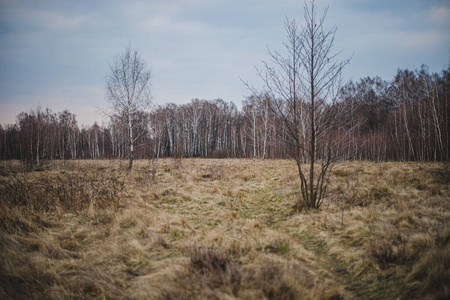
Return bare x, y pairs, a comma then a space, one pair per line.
403, 120
406, 119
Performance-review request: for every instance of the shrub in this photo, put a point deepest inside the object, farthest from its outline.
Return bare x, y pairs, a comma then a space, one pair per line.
69, 191
386, 253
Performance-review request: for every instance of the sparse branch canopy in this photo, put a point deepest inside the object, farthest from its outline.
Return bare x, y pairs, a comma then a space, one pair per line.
128, 89
321, 70
304, 82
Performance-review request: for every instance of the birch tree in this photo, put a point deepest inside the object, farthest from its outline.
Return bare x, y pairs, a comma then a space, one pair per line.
128, 89
250, 110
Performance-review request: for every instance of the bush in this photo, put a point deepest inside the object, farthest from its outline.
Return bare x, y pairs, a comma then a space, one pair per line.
69, 191
386, 253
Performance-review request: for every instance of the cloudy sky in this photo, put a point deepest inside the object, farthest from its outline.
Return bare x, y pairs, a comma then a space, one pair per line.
56, 53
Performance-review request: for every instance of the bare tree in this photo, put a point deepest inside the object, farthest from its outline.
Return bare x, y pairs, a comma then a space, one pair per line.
265, 121
33, 135
249, 106
303, 84
128, 89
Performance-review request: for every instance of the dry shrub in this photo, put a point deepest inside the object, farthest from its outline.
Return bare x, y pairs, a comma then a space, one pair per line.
385, 253
30, 205
68, 191
389, 247
215, 269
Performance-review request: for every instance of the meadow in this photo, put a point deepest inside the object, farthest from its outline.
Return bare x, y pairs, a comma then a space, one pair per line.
223, 229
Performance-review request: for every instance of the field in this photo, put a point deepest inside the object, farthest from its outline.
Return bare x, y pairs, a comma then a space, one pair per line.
223, 229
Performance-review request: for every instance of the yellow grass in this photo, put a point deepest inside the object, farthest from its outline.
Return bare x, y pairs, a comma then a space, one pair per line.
223, 229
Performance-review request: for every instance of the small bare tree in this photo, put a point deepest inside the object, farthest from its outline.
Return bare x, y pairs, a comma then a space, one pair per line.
303, 84
128, 89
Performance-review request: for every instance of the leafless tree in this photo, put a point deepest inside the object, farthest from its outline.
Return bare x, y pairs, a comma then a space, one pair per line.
265, 122
304, 83
128, 89
249, 107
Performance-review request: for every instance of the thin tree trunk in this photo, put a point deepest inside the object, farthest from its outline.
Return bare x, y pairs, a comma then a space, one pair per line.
130, 164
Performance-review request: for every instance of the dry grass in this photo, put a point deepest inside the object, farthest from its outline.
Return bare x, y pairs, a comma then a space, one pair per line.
223, 229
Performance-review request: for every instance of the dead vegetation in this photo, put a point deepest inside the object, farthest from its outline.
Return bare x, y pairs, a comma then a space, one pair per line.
223, 229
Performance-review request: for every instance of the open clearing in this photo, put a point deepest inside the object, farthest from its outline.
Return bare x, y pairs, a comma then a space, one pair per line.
223, 229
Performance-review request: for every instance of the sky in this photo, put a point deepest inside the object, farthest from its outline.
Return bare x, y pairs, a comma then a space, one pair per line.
56, 53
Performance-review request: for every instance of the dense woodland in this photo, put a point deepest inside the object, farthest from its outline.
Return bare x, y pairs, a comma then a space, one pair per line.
406, 119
